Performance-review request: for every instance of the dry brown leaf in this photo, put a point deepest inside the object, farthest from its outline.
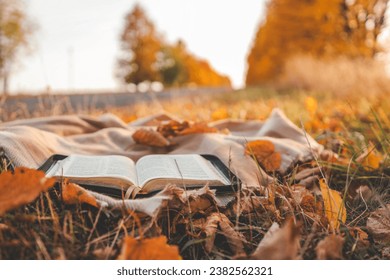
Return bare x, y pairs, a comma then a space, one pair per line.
155, 248
150, 137
210, 229
172, 128
308, 172
74, 194
378, 224
330, 248
264, 152
21, 187
334, 206
279, 243
233, 237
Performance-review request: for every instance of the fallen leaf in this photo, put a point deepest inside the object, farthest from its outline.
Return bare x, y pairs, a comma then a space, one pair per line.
311, 105
370, 159
330, 248
21, 187
334, 206
279, 243
308, 172
264, 152
74, 194
378, 224
172, 128
210, 231
150, 137
233, 237
155, 248
200, 127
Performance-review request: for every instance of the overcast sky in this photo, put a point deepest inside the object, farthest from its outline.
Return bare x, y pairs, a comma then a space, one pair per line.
77, 41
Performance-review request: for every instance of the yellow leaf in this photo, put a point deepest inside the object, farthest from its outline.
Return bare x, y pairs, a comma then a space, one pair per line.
21, 187
371, 158
264, 152
74, 194
334, 206
311, 105
220, 114
155, 248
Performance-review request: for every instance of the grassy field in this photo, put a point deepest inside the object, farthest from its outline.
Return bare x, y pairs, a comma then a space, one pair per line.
355, 127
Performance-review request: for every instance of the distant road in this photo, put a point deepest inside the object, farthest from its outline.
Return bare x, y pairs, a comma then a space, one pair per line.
28, 106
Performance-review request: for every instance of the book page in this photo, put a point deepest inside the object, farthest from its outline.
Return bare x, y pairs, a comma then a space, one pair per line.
186, 167
80, 166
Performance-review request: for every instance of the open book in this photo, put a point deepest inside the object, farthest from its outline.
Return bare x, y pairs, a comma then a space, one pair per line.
150, 173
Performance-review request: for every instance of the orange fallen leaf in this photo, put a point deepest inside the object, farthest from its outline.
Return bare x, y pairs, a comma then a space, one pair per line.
334, 206
172, 128
330, 248
74, 194
311, 105
200, 127
155, 248
279, 243
370, 159
21, 187
264, 152
150, 138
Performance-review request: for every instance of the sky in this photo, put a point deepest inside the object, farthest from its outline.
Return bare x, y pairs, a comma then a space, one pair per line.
77, 41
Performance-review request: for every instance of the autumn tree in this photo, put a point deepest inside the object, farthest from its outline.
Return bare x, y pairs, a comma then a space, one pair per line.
140, 43
15, 32
319, 28
179, 67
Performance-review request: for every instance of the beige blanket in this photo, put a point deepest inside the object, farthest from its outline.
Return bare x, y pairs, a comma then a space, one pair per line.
30, 142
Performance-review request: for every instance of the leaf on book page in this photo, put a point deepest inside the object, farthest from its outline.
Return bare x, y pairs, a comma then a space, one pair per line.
330, 248
74, 194
155, 248
150, 138
334, 206
279, 243
264, 152
21, 187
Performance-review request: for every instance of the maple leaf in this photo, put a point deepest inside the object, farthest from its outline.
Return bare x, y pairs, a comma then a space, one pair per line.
74, 194
264, 152
334, 206
21, 187
155, 248
150, 138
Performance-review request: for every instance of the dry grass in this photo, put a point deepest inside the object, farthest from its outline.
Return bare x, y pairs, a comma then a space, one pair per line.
344, 122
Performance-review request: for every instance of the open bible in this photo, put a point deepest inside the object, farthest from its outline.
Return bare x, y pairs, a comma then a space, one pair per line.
150, 173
